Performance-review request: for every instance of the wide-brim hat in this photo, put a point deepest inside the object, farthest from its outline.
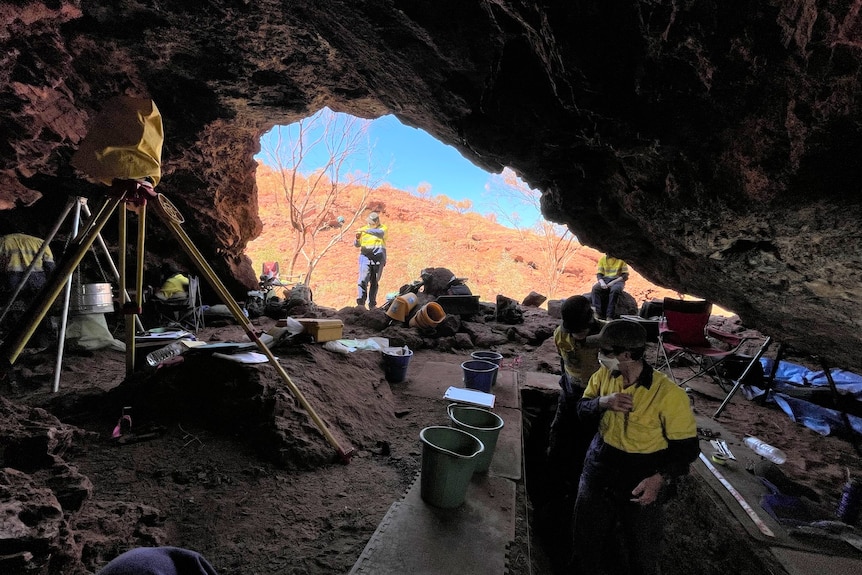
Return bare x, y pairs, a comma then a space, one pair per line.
624, 334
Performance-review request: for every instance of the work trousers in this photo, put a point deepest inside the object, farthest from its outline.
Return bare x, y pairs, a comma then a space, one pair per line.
370, 270
568, 442
602, 515
611, 294
35, 282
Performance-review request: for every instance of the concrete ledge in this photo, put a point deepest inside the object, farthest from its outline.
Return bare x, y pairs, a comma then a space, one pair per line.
417, 539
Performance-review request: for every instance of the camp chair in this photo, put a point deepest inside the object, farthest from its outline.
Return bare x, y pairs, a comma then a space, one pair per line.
684, 335
269, 271
186, 312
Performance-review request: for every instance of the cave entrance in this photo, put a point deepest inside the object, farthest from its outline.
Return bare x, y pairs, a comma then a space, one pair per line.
318, 179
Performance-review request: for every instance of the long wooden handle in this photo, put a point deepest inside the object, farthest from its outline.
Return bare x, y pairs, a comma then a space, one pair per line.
172, 217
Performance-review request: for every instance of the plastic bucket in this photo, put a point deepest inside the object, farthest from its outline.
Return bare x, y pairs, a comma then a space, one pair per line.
480, 423
491, 356
401, 306
429, 315
448, 462
479, 374
92, 298
395, 361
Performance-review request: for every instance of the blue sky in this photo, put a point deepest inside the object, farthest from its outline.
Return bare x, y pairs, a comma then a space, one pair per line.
417, 157
413, 157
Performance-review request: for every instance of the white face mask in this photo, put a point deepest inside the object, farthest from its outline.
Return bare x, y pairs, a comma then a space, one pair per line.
611, 363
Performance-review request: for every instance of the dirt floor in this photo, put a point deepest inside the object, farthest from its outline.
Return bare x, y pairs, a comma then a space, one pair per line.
222, 459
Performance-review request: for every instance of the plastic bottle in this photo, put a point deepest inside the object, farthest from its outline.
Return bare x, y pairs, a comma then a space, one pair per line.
171, 350
773, 454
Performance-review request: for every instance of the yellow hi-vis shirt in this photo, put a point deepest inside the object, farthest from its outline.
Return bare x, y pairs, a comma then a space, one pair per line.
579, 357
611, 267
18, 250
662, 412
174, 286
371, 240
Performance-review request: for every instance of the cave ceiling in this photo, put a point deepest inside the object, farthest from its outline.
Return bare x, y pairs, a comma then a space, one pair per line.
714, 145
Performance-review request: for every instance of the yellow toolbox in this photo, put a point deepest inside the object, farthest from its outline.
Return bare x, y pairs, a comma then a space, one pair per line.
322, 329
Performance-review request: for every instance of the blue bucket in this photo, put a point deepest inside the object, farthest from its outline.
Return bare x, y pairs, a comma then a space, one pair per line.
479, 374
395, 362
491, 356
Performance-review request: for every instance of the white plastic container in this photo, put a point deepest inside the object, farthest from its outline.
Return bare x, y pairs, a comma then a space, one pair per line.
773, 454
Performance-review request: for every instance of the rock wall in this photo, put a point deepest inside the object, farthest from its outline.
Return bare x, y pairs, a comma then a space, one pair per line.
713, 145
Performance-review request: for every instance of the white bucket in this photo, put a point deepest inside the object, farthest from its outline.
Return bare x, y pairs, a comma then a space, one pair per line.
92, 298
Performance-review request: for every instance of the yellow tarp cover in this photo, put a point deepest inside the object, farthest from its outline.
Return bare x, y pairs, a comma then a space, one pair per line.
124, 141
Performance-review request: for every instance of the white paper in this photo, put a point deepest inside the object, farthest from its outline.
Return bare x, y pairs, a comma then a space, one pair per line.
246, 357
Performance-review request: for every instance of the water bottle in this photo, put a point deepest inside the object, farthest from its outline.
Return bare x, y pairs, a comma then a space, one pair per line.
164, 353
773, 454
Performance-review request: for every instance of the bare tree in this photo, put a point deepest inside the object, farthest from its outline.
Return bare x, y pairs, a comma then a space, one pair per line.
463, 206
423, 190
557, 243
324, 190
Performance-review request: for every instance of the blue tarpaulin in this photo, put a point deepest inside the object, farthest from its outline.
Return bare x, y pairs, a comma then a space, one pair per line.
790, 376
792, 379
821, 419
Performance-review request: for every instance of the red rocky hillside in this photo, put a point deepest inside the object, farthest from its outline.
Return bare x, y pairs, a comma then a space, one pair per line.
426, 232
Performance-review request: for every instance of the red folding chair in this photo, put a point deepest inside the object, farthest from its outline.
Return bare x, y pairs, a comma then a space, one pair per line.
270, 270
683, 338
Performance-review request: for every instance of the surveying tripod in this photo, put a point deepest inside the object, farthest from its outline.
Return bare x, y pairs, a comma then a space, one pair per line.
80, 206
136, 195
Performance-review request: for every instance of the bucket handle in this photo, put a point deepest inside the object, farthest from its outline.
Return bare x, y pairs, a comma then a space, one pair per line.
452, 453
449, 409
456, 404
452, 417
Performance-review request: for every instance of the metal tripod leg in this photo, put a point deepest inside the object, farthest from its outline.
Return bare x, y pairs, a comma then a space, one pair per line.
173, 219
64, 319
139, 288
132, 309
738, 384
114, 271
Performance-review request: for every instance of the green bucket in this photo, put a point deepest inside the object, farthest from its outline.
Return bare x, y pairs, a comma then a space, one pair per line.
448, 461
480, 423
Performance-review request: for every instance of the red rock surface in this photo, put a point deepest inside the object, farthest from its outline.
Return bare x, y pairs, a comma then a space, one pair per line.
424, 234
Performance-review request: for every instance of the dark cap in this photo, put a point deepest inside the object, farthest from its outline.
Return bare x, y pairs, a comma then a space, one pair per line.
624, 334
577, 314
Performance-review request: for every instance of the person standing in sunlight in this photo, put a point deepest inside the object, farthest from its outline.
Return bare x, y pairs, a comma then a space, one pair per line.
371, 241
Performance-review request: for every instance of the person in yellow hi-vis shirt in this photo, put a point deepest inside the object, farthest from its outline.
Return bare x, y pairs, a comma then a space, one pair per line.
612, 274
175, 285
371, 241
17, 252
647, 438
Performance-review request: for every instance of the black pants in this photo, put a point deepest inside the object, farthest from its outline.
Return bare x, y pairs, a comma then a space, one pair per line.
599, 512
370, 270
